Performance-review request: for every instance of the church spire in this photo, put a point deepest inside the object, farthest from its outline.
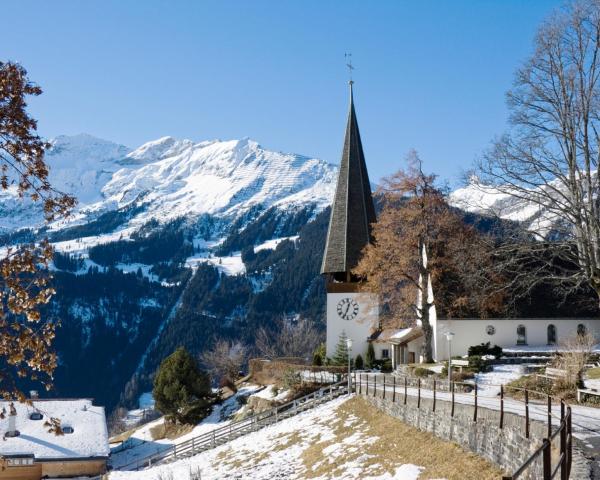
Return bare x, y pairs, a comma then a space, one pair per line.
352, 211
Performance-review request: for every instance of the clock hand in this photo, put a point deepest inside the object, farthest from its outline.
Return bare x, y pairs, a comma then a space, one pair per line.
347, 308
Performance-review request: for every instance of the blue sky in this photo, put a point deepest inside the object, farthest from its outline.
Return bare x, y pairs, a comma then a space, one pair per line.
430, 75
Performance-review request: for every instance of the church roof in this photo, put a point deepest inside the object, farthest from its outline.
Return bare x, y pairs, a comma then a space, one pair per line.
352, 211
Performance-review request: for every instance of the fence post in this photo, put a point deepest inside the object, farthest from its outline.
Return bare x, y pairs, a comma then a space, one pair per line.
405, 388
375, 385
501, 407
475, 411
193, 446
526, 413
394, 391
434, 394
175, 449
549, 416
419, 394
384, 386
569, 441
452, 410
354, 374
367, 384
360, 383
563, 443
547, 462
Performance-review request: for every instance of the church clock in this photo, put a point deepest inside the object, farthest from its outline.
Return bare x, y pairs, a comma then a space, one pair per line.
347, 308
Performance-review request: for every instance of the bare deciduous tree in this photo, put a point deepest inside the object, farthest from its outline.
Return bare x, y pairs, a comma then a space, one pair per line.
549, 159
289, 339
225, 359
425, 256
575, 353
25, 337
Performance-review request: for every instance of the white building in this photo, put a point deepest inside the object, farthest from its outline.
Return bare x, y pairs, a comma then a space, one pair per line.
355, 314
31, 452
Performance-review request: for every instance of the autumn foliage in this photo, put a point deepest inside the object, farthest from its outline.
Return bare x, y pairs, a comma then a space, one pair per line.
417, 237
25, 337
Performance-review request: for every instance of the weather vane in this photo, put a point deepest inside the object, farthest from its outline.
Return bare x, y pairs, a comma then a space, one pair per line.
348, 57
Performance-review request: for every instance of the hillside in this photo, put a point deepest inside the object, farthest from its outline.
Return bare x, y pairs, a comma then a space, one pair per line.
175, 242
344, 438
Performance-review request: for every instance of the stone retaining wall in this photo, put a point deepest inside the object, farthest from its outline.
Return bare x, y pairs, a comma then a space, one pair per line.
506, 447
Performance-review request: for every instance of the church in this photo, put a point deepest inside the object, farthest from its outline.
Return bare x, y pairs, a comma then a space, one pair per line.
354, 314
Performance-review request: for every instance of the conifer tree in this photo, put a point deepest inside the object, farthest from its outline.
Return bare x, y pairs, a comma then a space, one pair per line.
340, 356
358, 362
181, 390
370, 357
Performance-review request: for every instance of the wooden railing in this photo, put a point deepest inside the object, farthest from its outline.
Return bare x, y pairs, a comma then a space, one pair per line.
234, 430
397, 390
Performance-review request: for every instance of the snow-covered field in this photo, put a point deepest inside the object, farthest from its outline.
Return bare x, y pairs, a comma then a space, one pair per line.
276, 453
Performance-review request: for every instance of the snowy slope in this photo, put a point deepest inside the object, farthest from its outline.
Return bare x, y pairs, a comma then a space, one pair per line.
277, 452
174, 178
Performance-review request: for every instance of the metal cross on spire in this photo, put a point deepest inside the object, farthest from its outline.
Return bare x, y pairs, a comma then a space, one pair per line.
348, 57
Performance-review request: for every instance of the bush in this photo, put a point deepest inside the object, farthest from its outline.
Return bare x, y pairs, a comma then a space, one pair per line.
478, 364
181, 390
485, 349
320, 355
358, 362
422, 372
317, 359
370, 357
291, 379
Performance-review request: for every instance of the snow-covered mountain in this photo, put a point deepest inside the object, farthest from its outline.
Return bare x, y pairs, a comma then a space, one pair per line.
478, 198
172, 178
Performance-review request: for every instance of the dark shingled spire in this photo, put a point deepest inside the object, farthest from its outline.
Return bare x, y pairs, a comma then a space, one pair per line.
352, 211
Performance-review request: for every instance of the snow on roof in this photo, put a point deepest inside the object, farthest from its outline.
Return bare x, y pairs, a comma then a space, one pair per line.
89, 437
397, 335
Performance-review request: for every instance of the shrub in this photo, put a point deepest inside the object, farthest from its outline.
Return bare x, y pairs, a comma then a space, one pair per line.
422, 372
317, 359
484, 349
358, 362
478, 364
181, 390
291, 379
370, 357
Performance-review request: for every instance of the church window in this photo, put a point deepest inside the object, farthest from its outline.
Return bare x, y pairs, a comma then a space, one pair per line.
581, 330
490, 330
551, 335
385, 353
521, 335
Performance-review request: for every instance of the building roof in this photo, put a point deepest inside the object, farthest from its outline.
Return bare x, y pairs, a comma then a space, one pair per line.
88, 440
396, 335
352, 211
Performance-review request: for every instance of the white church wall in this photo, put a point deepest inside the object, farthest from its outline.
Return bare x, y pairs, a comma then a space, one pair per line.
468, 332
357, 327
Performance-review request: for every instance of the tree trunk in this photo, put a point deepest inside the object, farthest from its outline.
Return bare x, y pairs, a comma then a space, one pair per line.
427, 349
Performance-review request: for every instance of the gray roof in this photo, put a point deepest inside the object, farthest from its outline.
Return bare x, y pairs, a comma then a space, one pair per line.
352, 211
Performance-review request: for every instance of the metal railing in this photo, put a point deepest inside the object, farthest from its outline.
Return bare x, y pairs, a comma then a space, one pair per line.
236, 429
369, 385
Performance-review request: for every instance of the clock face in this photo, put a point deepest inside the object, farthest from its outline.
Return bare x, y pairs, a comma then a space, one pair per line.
347, 308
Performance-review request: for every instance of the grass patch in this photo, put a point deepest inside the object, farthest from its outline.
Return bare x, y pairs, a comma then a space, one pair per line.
593, 373
386, 443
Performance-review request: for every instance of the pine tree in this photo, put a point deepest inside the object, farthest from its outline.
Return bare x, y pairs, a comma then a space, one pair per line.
340, 357
358, 362
181, 390
370, 357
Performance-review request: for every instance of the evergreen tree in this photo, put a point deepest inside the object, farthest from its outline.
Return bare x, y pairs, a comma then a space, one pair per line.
358, 362
181, 390
370, 358
340, 356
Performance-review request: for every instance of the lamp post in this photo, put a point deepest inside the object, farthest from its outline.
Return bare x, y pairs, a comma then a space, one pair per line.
449, 336
349, 347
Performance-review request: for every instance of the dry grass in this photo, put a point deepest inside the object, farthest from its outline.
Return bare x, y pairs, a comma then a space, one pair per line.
593, 373
360, 436
391, 444
169, 430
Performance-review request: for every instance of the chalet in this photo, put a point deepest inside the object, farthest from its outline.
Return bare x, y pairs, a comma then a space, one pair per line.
28, 451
